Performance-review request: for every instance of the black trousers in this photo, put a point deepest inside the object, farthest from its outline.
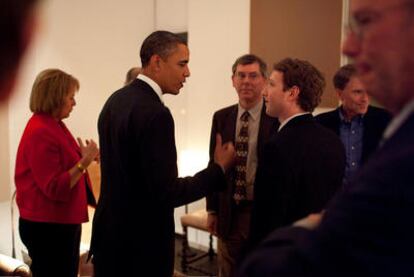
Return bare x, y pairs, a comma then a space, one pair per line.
53, 247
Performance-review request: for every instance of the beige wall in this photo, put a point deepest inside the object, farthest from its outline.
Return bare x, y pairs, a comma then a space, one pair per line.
4, 155
304, 29
97, 41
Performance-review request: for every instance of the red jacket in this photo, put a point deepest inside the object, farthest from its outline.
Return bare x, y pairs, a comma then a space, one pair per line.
46, 152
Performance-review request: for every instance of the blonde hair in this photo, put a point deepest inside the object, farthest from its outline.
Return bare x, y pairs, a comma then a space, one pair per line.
50, 89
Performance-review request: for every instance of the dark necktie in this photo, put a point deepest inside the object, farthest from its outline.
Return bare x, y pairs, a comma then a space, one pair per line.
242, 147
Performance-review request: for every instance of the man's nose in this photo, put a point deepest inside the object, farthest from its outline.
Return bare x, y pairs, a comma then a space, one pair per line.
351, 46
365, 97
187, 72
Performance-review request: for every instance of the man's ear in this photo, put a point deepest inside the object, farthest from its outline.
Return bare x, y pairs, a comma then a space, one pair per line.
155, 62
233, 80
339, 93
294, 92
29, 29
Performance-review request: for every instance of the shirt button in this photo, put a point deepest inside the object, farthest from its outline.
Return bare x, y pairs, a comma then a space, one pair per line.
353, 163
353, 147
353, 132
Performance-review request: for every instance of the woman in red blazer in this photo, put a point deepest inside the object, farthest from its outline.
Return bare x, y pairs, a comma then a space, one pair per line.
51, 180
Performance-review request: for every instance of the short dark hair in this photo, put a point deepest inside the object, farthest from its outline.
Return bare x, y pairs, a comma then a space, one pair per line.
343, 75
161, 43
306, 77
13, 14
250, 59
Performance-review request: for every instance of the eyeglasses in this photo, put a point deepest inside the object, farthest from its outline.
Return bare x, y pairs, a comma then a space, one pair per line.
362, 21
252, 76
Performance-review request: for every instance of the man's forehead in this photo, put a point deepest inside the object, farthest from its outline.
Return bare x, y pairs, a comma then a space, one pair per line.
247, 67
181, 52
275, 74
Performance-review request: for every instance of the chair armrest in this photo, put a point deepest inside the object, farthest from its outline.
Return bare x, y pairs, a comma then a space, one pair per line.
13, 267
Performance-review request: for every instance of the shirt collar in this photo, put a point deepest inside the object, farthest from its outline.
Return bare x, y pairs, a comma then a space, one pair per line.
398, 120
253, 112
283, 124
152, 84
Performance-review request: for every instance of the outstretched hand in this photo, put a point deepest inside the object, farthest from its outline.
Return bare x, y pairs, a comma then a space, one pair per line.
224, 154
310, 222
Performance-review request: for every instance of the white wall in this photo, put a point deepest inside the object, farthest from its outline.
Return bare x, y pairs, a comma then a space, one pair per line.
4, 154
218, 33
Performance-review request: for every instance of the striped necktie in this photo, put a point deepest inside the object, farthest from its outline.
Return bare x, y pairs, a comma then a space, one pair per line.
242, 147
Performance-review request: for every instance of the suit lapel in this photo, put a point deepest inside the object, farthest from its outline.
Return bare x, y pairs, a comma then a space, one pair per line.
229, 134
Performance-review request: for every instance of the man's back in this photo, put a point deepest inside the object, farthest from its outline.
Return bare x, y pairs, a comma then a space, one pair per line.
301, 169
129, 143
139, 182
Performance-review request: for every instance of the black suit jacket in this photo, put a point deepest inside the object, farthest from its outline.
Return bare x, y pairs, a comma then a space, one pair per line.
367, 229
224, 122
375, 121
302, 167
134, 220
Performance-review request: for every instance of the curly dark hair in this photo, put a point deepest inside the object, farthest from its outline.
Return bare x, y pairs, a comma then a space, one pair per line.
306, 77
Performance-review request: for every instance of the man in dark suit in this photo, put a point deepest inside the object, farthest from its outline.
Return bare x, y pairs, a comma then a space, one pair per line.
229, 218
359, 125
367, 230
303, 163
133, 226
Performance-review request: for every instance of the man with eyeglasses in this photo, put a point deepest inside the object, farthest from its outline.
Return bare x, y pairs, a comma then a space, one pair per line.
246, 125
367, 230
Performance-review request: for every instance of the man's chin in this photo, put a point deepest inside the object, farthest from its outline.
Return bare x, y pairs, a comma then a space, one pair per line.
173, 92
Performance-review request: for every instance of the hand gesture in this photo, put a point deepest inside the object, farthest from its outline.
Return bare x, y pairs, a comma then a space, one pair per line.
224, 154
89, 151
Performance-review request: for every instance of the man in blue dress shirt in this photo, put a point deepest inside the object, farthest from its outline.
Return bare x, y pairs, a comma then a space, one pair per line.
358, 124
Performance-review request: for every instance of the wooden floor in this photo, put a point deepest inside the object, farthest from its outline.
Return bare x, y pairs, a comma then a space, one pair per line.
202, 267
